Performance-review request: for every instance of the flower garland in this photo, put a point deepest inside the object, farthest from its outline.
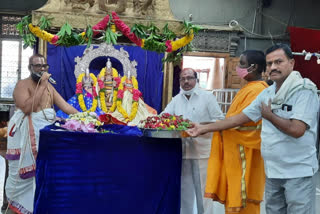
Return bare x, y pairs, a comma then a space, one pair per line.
135, 99
42, 34
102, 90
80, 94
168, 46
125, 29
175, 45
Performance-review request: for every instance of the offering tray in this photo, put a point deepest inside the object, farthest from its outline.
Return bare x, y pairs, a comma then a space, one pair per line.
158, 133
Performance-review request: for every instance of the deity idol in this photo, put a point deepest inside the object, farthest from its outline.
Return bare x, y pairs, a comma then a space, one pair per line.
86, 98
130, 106
108, 81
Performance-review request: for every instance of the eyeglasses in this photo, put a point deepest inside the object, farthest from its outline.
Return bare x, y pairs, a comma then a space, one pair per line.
45, 66
186, 78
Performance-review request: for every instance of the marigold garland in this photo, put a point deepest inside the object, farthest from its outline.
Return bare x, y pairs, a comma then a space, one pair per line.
135, 99
158, 46
80, 94
102, 91
42, 34
153, 45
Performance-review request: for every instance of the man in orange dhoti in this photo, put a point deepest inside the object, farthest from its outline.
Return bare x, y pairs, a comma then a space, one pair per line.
235, 170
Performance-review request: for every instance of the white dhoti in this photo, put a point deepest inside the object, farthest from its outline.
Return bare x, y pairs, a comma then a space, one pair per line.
23, 140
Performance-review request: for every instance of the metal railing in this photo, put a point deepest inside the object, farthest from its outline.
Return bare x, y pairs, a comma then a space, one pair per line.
224, 97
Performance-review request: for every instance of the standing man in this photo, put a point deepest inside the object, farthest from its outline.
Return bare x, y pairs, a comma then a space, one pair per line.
196, 105
34, 98
289, 112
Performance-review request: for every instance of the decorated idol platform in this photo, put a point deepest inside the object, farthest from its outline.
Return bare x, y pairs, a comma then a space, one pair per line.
117, 155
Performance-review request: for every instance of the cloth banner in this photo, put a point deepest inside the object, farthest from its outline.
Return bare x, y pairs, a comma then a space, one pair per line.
308, 40
149, 70
107, 173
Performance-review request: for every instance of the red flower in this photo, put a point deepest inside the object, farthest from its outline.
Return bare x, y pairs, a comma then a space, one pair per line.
100, 83
79, 88
136, 94
100, 25
105, 118
120, 94
169, 46
118, 80
166, 115
54, 39
125, 29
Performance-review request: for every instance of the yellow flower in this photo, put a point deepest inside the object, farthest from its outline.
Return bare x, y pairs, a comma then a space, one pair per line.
174, 118
44, 35
182, 42
135, 104
80, 96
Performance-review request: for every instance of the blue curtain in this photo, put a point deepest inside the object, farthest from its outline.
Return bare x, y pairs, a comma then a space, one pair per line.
149, 70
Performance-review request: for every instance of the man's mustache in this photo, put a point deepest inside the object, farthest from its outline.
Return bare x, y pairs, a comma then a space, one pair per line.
274, 71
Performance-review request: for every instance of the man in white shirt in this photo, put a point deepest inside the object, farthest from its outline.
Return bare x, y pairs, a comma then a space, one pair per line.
289, 110
196, 105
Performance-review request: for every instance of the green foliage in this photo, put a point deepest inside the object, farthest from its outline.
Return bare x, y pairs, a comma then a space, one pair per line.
45, 23
24, 31
110, 37
140, 31
67, 37
88, 36
154, 37
188, 26
167, 33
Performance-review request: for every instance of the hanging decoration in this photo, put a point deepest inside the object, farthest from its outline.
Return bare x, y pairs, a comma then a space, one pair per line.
148, 37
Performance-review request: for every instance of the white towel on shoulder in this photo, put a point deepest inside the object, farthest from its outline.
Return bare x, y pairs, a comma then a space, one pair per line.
292, 84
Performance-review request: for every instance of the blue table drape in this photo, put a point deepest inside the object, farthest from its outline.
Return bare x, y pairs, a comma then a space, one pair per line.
149, 70
107, 173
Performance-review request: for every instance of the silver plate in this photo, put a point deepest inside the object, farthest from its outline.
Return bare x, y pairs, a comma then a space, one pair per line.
163, 133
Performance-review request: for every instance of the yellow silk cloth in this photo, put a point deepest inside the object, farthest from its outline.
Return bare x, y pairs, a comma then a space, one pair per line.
235, 170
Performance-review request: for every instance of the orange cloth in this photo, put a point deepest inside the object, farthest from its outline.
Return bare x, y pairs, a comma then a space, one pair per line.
235, 169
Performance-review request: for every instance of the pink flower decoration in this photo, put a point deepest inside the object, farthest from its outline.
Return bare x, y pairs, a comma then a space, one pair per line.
169, 46
79, 88
125, 29
118, 80
136, 94
88, 128
54, 39
100, 83
83, 127
100, 25
120, 94
72, 125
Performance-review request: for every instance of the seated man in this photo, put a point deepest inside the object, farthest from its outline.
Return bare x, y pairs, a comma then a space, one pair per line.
34, 98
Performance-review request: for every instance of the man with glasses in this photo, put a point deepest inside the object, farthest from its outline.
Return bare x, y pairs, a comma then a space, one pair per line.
289, 111
34, 98
196, 105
